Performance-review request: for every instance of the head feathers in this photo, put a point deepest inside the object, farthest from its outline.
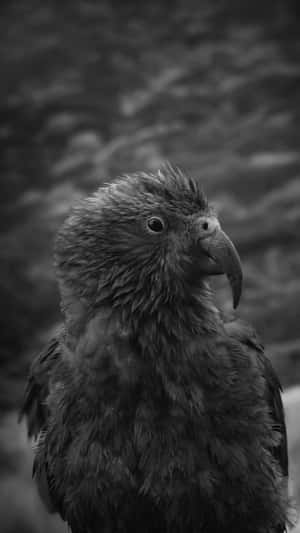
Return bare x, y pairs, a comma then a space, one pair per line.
105, 253
169, 185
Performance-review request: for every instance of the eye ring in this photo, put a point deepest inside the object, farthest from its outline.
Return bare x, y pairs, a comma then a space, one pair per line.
155, 224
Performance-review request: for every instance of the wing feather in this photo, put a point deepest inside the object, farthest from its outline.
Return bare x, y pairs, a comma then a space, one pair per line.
35, 409
247, 336
37, 389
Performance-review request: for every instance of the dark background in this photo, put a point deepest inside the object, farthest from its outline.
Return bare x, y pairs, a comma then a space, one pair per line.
91, 89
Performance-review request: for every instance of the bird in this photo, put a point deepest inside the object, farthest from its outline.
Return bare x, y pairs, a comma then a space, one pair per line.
149, 409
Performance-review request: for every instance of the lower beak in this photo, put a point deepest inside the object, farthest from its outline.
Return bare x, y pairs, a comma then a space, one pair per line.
219, 255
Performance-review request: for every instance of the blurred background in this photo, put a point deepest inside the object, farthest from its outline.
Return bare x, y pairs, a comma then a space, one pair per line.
90, 89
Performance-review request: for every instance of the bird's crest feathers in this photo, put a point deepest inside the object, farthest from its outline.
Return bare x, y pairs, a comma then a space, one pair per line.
169, 184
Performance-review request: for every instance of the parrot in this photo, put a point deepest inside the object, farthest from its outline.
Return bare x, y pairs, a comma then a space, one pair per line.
150, 411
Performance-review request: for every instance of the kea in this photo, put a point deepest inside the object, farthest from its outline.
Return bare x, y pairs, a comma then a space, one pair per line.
150, 412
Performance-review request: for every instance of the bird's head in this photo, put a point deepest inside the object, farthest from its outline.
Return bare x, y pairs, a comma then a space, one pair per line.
144, 240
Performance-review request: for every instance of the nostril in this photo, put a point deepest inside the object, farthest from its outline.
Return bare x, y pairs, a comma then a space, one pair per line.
206, 226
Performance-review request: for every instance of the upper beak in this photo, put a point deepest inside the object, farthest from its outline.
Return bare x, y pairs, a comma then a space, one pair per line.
220, 255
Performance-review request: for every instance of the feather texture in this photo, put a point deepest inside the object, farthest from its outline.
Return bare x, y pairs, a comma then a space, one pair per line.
149, 412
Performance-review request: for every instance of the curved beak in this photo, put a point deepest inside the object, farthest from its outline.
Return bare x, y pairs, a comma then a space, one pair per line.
220, 255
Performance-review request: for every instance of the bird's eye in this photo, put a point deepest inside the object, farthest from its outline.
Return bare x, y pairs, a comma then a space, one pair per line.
155, 224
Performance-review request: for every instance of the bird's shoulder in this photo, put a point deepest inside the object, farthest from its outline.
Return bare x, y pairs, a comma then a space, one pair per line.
245, 334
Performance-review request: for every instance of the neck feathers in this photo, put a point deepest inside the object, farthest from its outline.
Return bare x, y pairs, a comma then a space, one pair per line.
152, 325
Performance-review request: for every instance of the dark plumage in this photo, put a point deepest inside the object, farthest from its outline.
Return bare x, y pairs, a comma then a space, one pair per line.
151, 414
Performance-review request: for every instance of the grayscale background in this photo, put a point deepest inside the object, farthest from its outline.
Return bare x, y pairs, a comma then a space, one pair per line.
91, 89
